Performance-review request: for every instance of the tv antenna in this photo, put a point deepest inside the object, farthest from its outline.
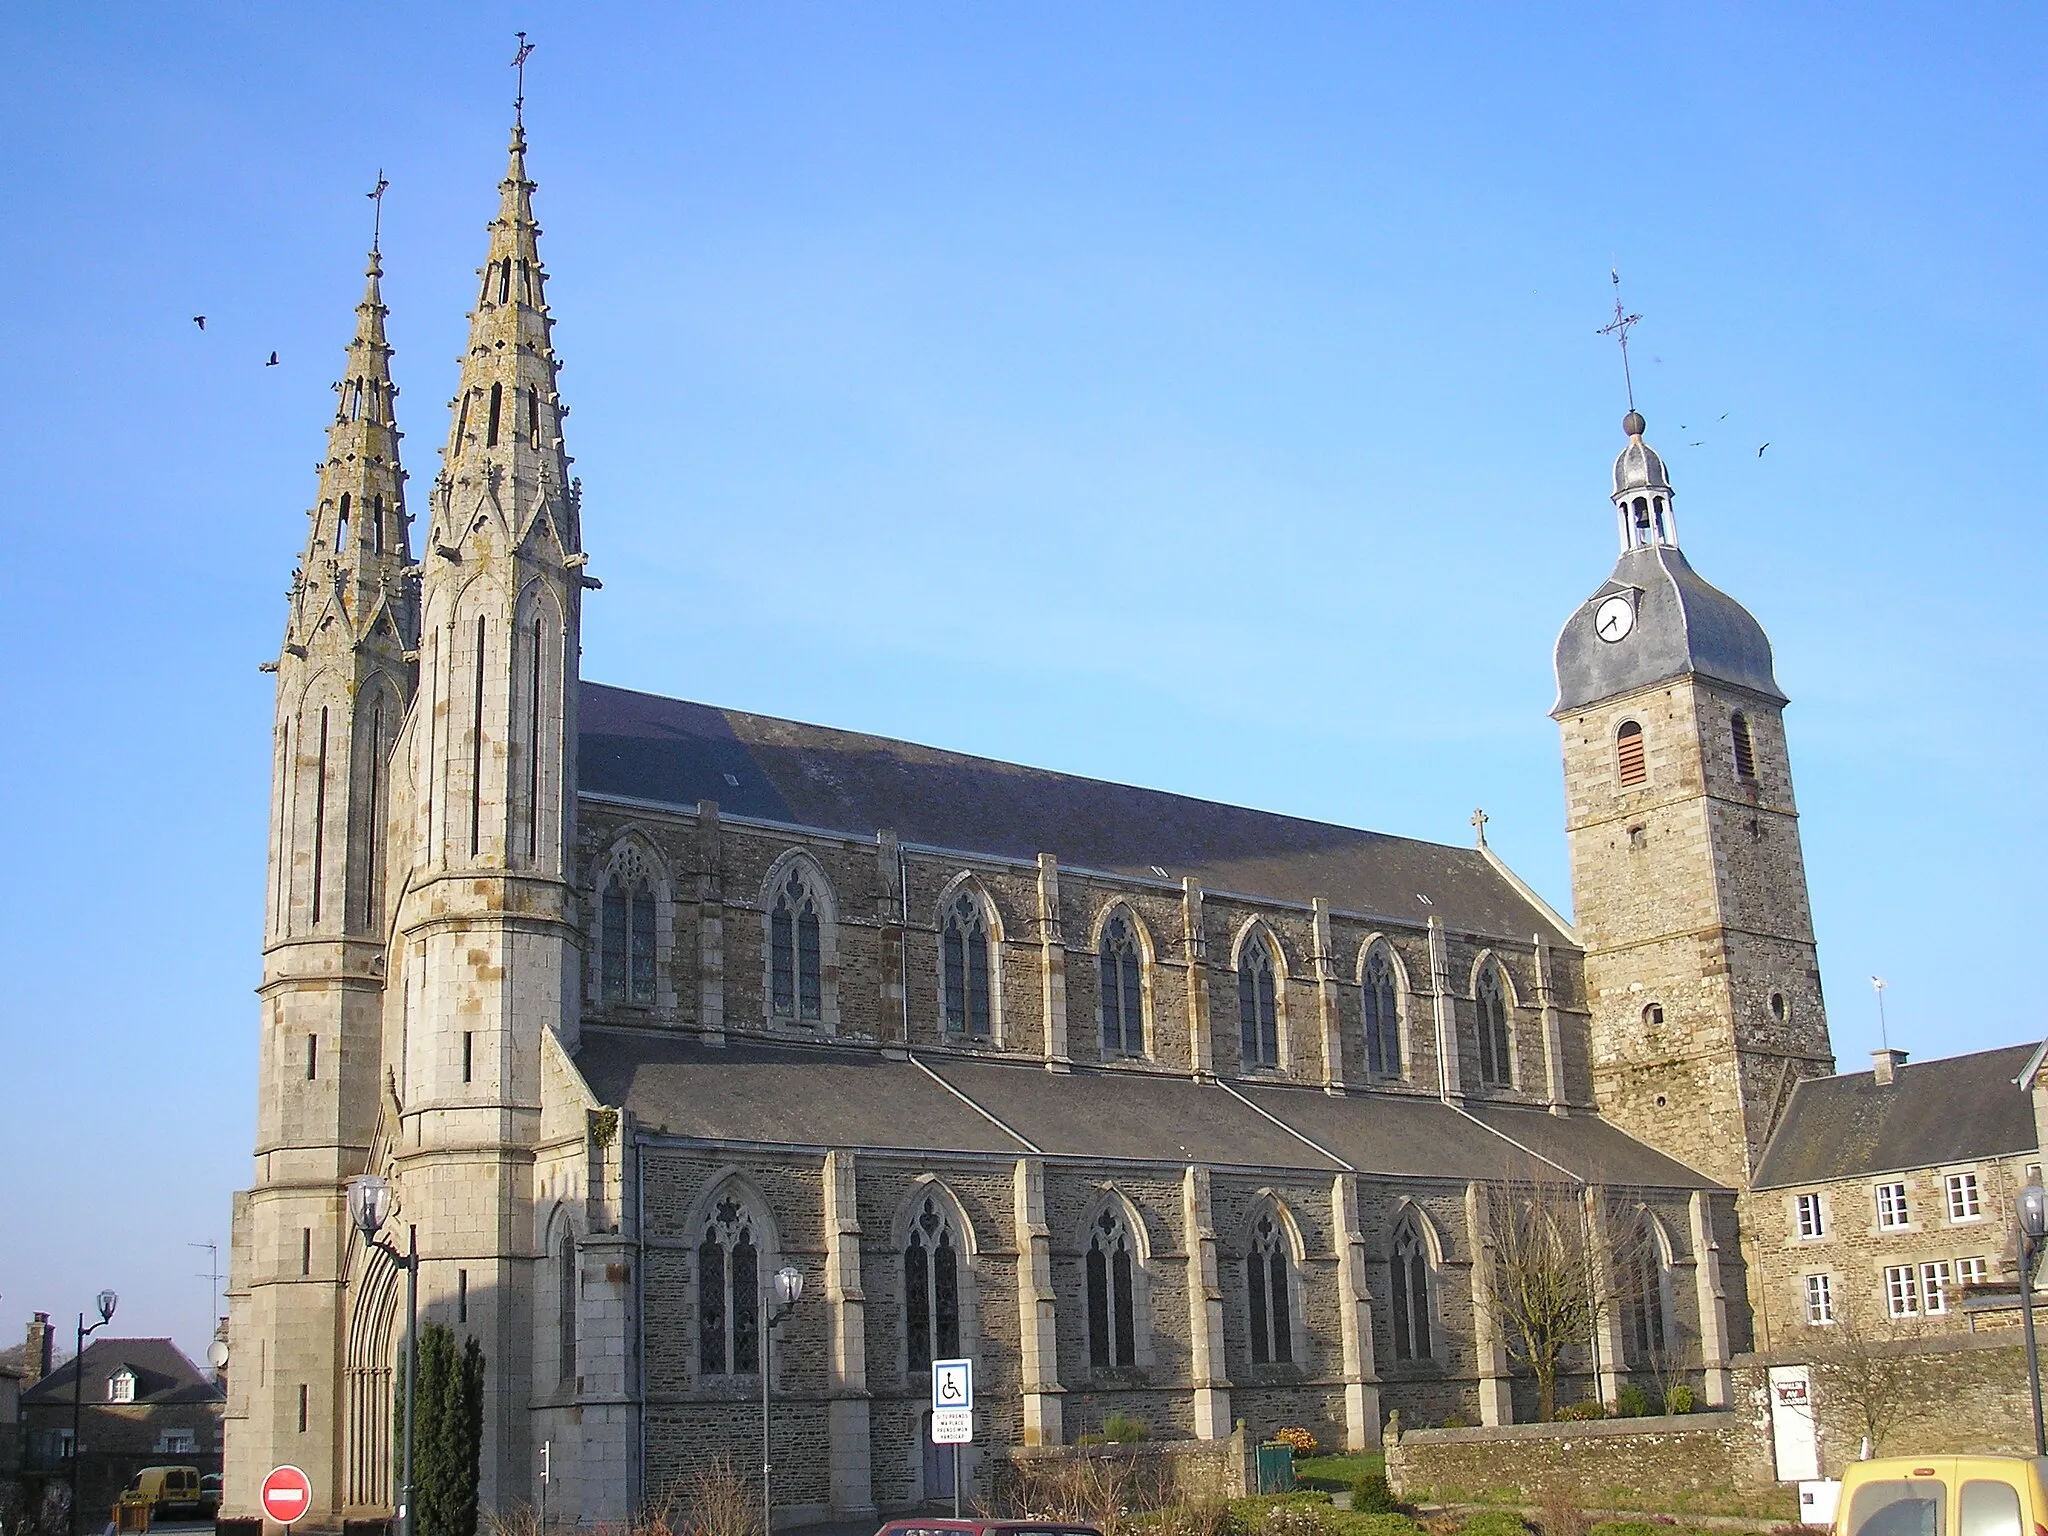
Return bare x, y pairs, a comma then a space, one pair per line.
1618, 328
1878, 984
212, 1275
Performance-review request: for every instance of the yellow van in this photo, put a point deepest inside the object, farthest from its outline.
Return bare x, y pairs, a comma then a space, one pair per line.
1944, 1496
166, 1491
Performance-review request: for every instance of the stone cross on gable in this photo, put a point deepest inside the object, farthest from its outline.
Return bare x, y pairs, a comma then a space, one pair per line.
1479, 820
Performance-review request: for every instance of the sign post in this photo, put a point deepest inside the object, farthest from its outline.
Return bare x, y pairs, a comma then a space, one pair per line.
287, 1494
953, 1412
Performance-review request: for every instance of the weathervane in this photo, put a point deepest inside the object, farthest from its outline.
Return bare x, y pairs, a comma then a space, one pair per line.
1618, 328
376, 195
519, 63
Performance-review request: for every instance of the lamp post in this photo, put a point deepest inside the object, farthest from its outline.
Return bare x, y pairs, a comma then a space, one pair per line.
2033, 1223
778, 1299
369, 1207
106, 1301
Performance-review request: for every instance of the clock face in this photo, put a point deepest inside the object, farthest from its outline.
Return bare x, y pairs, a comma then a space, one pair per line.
1614, 618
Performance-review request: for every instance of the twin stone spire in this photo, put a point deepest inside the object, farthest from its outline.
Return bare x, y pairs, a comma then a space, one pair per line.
504, 484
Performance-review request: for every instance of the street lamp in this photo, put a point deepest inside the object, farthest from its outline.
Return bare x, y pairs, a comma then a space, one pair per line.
370, 1198
2033, 1224
106, 1301
784, 1290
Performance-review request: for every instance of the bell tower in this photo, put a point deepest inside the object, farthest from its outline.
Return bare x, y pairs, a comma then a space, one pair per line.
1688, 883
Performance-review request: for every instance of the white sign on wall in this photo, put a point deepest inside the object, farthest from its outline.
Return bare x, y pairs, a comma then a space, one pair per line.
1794, 1439
952, 1402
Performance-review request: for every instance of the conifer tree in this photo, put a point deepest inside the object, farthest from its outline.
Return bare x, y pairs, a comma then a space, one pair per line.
448, 1442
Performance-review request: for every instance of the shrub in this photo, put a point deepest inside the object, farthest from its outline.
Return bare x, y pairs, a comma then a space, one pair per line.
1561, 1513
1456, 1421
1371, 1495
1680, 1400
1495, 1522
1631, 1402
1123, 1429
1303, 1442
1585, 1408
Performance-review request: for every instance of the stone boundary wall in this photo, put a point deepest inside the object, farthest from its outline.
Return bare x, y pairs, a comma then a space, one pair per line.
1955, 1394
1651, 1463
1148, 1469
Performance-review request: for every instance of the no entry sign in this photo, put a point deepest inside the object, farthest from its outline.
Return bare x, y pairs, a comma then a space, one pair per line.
287, 1494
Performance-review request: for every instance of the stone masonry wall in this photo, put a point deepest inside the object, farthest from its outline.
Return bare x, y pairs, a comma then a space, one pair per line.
1607, 1464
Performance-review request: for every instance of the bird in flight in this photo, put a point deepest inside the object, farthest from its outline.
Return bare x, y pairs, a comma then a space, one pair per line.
1759, 452
273, 363
200, 321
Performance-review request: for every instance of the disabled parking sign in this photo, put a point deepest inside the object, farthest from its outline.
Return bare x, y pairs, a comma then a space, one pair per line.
952, 1402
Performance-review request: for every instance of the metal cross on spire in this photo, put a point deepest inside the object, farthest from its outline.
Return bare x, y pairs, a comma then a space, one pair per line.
1619, 328
519, 63
376, 195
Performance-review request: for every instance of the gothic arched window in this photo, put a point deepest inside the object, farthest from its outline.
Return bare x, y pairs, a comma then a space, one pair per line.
728, 1293
931, 1287
1631, 760
1409, 1272
565, 1305
1112, 1318
965, 947
795, 967
1382, 1015
1639, 1285
626, 916
1123, 995
1258, 1012
1266, 1293
1496, 1049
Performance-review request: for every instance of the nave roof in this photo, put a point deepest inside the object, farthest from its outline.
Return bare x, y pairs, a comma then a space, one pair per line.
673, 752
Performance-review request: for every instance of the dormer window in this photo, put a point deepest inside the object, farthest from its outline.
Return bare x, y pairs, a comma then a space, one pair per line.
121, 1387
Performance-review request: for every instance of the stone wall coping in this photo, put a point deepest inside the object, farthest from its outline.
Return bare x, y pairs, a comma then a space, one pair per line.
1654, 1424
1925, 1344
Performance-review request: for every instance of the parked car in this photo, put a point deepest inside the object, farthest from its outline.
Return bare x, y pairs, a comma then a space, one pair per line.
979, 1527
1935, 1495
209, 1494
168, 1491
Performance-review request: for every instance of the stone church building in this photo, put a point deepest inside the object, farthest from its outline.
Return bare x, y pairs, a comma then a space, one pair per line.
1147, 1105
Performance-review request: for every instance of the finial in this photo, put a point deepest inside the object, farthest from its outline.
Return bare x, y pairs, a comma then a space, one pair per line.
519, 63
376, 195
1619, 329
1479, 821
1633, 424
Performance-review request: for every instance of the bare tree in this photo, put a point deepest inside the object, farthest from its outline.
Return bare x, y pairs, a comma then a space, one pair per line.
1864, 1364
1543, 1280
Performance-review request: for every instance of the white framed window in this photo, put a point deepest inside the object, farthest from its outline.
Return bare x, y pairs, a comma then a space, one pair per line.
1934, 1287
1891, 1206
176, 1442
121, 1387
1811, 1222
1901, 1290
1964, 1202
1973, 1271
1820, 1302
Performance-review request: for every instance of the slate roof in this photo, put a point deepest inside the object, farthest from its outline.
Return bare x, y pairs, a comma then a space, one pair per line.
163, 1375
1933, 1112
673, 752
1683, 625
873, 1099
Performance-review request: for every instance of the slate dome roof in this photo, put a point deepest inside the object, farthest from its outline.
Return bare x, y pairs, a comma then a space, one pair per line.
1638, 467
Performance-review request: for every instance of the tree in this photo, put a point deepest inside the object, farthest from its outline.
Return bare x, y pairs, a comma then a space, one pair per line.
1863, 1367
1541, 1280
448, 1441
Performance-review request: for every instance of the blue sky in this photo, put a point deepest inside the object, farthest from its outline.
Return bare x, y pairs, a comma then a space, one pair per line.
1200, 396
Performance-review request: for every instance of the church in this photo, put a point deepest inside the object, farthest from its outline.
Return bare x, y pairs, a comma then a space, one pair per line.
1148, 1106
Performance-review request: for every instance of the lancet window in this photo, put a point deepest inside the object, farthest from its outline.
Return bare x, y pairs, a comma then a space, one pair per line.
728, 1293
1496, 1049
1123, 993
1266, 1292
1640, 1288
1258, 1011
964, 943
1409, 1287
1382, 1009
1112, 1318
931, 1287
795, 964
626, 915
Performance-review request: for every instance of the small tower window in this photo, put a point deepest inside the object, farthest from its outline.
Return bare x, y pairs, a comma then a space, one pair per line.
505, 281
1663, 533
341, 527
532, 417
497, 409
1778, 1006
462, 423
1653, 1014
1629, 755
377, 525
1745, 747
1642, 511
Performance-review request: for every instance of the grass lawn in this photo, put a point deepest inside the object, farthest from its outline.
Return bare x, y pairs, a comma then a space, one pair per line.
1331, 1473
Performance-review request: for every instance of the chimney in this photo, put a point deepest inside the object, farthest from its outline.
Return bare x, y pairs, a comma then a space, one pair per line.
1885, 1064
35, 1359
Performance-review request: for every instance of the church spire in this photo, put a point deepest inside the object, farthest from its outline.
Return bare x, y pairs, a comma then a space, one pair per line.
506, 442
351, 580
